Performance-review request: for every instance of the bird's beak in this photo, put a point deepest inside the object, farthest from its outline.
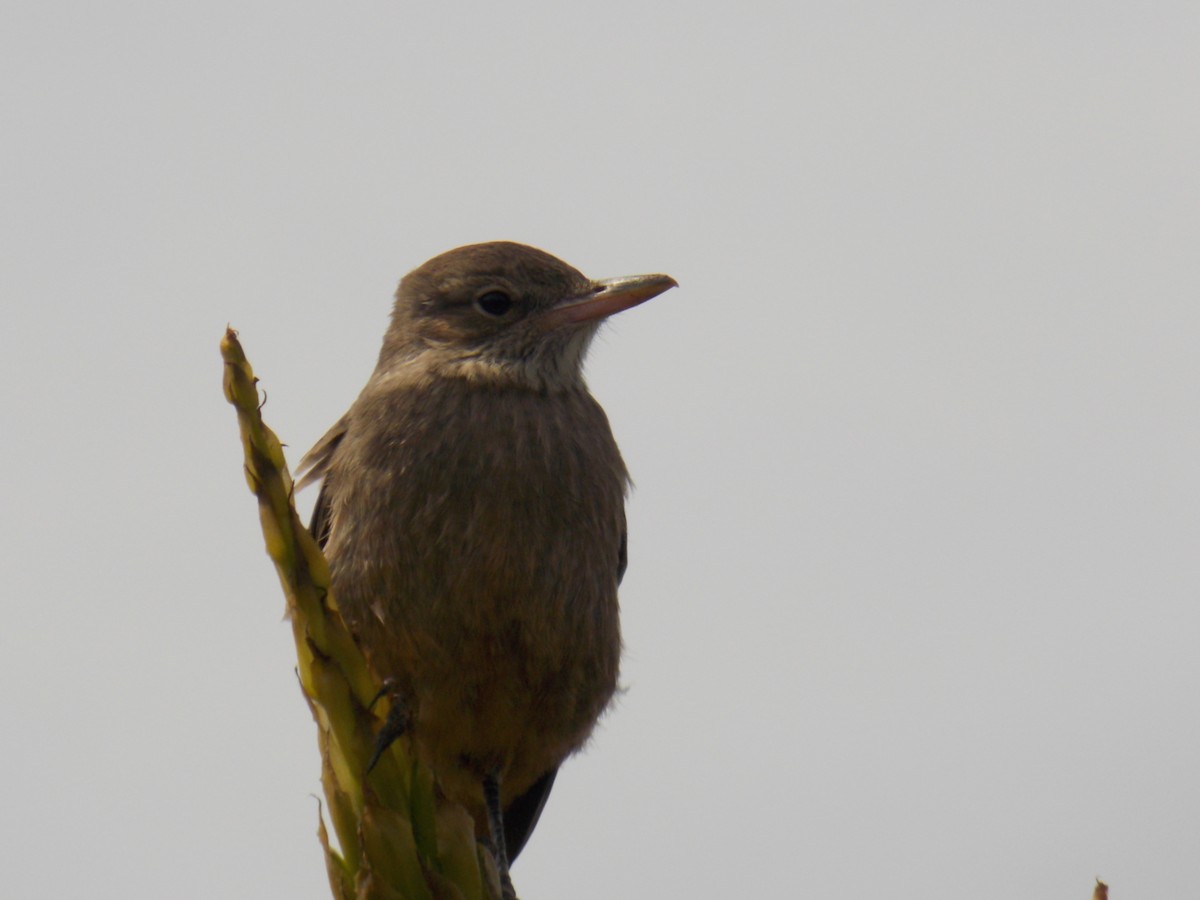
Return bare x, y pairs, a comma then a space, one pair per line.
605, 298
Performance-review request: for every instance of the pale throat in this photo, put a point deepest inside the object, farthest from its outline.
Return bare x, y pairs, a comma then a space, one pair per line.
553, 365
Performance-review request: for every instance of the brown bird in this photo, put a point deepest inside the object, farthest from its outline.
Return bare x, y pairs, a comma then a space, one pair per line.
472, 510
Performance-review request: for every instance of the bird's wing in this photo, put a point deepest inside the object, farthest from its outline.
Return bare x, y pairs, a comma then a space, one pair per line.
321, 520
314, 466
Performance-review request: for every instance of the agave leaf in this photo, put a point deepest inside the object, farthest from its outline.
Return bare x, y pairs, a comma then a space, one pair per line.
397, 837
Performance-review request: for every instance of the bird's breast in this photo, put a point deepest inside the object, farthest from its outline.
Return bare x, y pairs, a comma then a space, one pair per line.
475, 543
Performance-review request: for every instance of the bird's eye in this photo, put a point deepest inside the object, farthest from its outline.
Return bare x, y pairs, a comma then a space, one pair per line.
495, 303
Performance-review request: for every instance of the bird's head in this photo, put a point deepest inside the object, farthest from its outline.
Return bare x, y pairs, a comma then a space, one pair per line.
504, 313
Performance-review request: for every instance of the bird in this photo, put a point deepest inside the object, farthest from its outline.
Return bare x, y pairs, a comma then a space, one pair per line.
472, 512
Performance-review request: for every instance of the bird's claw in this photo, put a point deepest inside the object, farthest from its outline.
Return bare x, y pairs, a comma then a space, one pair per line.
395, 725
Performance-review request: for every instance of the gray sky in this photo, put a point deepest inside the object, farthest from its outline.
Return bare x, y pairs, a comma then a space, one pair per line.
912, 607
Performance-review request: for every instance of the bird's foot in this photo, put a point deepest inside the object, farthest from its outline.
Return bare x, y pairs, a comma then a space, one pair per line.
394, 726
491, 799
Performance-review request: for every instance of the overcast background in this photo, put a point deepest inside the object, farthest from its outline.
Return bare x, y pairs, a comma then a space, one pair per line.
912, 607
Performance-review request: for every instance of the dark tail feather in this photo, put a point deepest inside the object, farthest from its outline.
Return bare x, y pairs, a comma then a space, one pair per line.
522, 814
